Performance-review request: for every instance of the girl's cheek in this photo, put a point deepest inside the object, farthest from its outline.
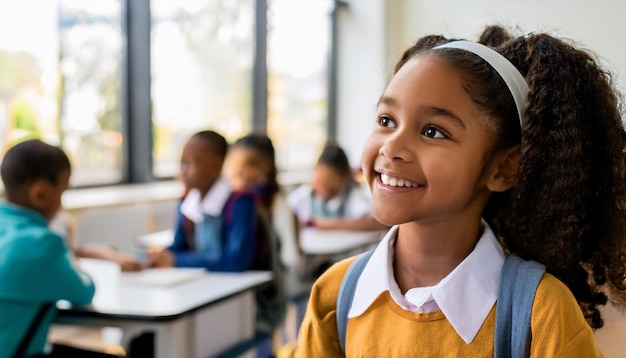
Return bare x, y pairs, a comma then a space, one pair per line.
370, 153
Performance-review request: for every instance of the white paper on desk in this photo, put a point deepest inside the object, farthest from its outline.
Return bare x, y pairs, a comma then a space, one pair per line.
156, 239
162, 276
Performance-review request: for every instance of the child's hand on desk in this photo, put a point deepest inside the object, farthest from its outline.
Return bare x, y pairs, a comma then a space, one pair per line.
327, 224
160, 258
362, 223
128, 262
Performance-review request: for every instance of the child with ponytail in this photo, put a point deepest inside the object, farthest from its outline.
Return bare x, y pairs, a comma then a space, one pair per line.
511, 152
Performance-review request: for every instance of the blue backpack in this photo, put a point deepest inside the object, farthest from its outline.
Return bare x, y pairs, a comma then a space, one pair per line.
518, 285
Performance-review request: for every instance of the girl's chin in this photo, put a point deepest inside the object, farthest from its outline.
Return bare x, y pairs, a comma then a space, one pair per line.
386, 219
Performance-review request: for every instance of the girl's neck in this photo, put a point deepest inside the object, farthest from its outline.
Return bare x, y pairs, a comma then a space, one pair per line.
426, 253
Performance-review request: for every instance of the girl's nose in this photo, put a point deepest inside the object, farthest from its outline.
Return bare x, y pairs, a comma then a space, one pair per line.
398, 146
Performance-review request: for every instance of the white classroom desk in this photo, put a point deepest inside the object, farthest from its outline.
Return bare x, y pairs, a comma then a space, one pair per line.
337, 242
312, 241
195, 318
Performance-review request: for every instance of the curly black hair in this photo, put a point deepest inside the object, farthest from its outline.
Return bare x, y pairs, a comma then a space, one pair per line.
567, 208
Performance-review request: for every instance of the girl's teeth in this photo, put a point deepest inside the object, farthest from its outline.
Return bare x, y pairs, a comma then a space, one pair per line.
385, 179
391, 181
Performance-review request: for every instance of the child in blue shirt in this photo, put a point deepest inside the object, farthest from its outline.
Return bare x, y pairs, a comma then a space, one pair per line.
223, 223
36, 265
251, 171
215, 228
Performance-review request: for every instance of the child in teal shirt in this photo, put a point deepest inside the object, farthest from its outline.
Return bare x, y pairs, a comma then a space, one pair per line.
36, 265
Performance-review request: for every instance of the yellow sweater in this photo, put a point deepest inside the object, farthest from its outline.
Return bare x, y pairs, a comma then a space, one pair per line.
386, 330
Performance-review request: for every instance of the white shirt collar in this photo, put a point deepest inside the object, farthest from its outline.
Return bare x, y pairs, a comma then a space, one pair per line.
476, 279
194, 206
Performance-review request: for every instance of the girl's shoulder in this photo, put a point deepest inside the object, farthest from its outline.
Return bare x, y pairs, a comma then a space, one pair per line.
552, 294
326, 287
557, 322
554, 300
549, 284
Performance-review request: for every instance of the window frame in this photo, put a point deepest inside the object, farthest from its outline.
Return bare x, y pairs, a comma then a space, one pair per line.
136, 84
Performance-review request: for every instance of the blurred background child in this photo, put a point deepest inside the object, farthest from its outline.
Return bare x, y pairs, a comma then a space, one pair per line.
251, 170
37, 267
224, 223
217, 224
333, 200
199, 238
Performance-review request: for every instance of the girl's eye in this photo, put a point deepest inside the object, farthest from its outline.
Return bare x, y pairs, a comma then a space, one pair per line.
433, 132
385, 121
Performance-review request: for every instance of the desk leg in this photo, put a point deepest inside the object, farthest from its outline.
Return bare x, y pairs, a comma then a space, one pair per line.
224, 325
171, 339
175, 339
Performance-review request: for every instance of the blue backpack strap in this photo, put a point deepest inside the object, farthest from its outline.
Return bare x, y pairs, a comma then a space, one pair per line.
518, 285
345, 295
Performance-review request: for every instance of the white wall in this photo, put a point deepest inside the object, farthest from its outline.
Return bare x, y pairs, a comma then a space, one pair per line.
373, 33
595, 25
361, 72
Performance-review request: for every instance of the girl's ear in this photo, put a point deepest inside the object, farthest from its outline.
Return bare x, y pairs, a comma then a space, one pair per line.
506, 166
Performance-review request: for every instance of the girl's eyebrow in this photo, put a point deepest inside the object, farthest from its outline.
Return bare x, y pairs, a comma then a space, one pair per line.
429, 111
432, 111
389, 101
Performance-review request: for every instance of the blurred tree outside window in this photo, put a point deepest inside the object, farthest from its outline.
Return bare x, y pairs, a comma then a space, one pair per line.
60, 81
202, 52
298, 50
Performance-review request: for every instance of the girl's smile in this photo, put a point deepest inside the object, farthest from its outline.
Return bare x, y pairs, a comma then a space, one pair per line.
391, 182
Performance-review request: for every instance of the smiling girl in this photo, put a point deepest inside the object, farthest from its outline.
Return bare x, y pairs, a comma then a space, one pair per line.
477, 154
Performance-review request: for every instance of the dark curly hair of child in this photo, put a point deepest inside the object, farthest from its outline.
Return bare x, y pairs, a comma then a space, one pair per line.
566, 210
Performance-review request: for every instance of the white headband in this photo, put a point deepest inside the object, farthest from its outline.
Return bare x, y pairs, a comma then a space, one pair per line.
510, 74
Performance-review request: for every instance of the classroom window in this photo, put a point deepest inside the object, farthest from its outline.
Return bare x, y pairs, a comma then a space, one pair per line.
202, 52
60, 81
63, 78
298, 49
